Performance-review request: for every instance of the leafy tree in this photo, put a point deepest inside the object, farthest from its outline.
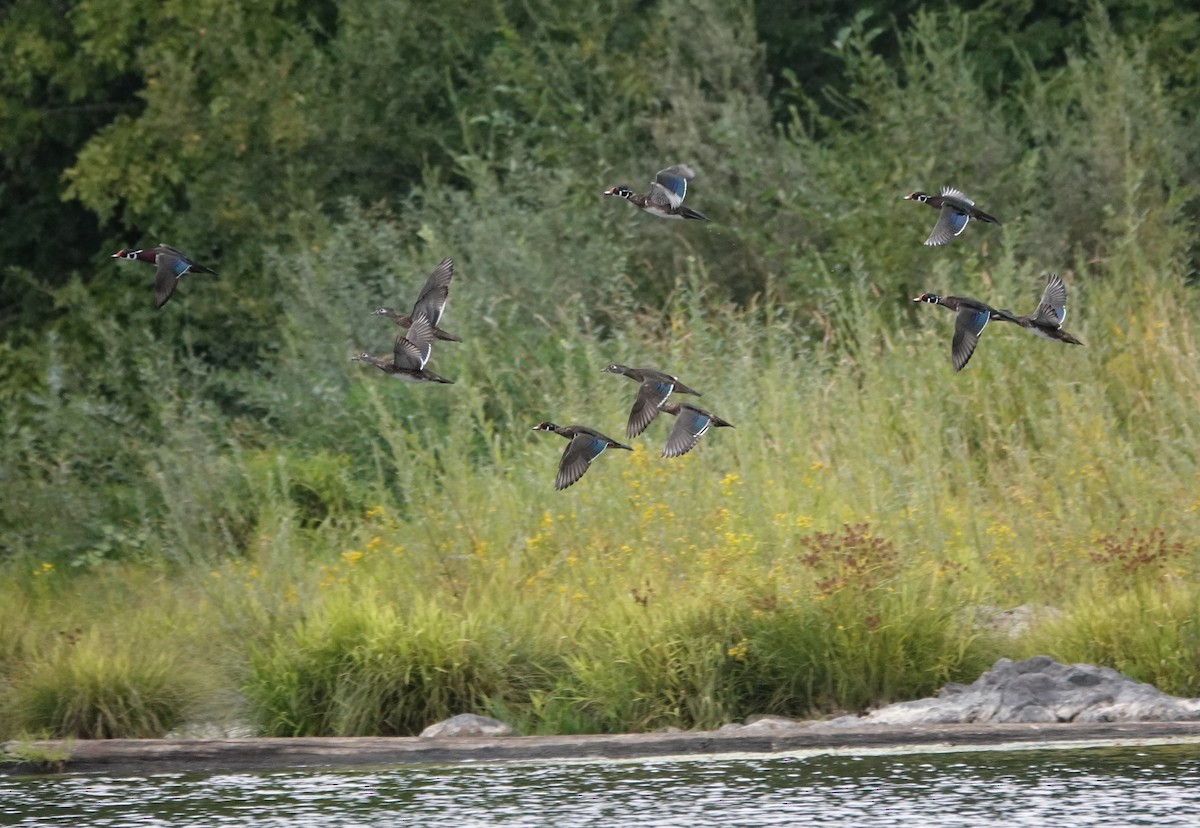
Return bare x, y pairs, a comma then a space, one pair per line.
52, 102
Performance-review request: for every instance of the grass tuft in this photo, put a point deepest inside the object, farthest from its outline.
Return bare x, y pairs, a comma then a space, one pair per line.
89, 689
364, 667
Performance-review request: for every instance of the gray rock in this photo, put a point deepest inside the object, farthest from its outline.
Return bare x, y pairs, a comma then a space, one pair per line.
466, 724
763, 722
1041, 690
1010, 622
840, 721
213, 730
767, 722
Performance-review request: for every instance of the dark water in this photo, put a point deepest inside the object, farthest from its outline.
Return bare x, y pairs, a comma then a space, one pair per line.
1114, 786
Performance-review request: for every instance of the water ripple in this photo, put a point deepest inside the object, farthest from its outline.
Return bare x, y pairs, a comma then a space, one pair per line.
1084, 787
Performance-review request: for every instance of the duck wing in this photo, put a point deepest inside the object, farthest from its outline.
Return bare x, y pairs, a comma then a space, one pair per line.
951, 222
690, 425
652, 393
967, 328
412, 350
670, 185
433, 296
1052, 309
170, 265
956, 195
576, 457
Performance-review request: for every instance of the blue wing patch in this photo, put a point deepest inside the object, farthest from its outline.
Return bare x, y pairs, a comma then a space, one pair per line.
700, 422
180, 267
957, 220
664, 387
596, 448
979, 320
675, 183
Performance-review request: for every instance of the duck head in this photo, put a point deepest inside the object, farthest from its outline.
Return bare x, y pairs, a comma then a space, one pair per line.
126, 253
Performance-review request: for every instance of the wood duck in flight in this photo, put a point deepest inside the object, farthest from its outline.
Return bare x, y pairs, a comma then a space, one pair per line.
409, 354
1047, 320
431, 302
973, 317
665, 198
171, 267
586, 444
655, 387
956, 210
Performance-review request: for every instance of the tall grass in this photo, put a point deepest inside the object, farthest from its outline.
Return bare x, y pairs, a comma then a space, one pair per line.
120, 655
821, 556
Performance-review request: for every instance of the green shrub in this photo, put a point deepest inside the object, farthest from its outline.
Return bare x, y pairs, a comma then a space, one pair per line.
646, 669
854, 624
92, 689
1138, 613
364, 667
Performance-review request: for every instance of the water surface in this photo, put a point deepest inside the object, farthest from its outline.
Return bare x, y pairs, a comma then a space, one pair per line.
1112, 786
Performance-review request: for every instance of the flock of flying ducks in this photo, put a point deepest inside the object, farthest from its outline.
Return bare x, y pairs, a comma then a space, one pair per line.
414, 346
955, 210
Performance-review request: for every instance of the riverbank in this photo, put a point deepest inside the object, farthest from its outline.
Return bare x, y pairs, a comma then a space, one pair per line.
147, 756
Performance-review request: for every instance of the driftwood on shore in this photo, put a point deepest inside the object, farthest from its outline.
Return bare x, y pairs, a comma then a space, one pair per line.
146, 756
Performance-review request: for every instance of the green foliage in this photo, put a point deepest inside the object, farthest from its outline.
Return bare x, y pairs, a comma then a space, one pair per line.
34, 757
1137, 613
643, 667
90, 689
51, 103
870, 626
364, 667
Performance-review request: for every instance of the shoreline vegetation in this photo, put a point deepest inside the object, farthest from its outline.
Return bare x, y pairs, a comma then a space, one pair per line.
209, 514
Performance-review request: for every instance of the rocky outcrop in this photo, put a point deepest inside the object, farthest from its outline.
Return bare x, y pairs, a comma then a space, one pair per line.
466, 724
1038, 690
